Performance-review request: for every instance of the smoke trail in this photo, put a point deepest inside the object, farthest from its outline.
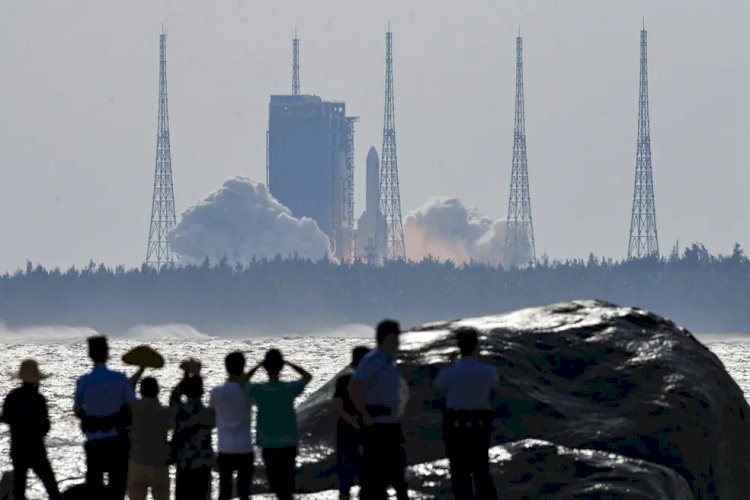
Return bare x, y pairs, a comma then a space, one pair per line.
445, 229
241, 220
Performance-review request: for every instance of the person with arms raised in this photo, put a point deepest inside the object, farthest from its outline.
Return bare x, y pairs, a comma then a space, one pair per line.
149, 450
233, 421
277, 421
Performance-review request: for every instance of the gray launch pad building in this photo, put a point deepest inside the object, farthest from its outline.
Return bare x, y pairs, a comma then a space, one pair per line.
309, 144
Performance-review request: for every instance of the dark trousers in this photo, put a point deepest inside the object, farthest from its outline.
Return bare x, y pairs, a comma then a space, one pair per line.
229, 463
466, 435
41, 467
384, 462
192, 484
281, 470
349, 462
110, 455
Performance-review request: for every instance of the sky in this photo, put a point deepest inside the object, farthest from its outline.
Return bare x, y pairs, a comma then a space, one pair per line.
78, 95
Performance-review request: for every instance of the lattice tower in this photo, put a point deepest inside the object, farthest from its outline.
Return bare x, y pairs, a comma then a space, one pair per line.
295, 64
390, 198
349, 187
519, 234
163, 219
643, 241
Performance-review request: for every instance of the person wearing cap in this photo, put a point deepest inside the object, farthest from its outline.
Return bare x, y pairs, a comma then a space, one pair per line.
102, 402
467, 418
375, 390
149, 449
190, 367
277, 421
25, 411
348, 429
233, 420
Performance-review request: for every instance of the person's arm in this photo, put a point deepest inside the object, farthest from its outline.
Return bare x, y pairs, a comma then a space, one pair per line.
342, 389
45, 417
357, 394
306, 376
78, 400
7, 414
247, 376
137, 376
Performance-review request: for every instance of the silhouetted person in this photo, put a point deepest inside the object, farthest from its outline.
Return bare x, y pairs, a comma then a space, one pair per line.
375, 390
467, 419
348, 429
190, 368
102, 402
194, 454
277, 421
149, 450
25, 411
233, 422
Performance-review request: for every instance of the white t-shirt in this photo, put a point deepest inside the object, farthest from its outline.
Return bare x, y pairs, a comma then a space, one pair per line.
468, 384
233, 417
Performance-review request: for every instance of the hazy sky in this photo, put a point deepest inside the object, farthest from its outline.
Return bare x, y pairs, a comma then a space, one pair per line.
78, 94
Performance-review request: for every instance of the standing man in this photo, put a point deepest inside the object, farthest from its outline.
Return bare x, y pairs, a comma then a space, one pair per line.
468, 417
375, 391
25, 411
149, 448
348, 429
233, 420
102, 402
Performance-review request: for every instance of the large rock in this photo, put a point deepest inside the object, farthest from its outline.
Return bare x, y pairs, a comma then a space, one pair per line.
538, 469
583, 375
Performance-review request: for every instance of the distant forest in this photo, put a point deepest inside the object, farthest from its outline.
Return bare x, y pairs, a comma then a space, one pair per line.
703, 292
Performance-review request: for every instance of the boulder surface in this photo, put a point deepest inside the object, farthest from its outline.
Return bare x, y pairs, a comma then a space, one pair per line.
583, 375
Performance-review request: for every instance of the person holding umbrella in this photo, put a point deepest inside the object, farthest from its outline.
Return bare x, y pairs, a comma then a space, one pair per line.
25, 411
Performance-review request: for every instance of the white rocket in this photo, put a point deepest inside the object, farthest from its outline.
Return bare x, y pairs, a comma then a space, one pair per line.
371, 227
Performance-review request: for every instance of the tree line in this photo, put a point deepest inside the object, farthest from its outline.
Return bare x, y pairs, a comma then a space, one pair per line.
701, 291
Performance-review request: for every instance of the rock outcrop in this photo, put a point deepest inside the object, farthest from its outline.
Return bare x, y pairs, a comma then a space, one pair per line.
584, 376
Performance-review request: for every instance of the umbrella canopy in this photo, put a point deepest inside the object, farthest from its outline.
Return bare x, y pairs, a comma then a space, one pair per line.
144, 356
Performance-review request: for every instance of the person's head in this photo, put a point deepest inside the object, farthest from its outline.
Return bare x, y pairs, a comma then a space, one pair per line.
235, 363
149, 388
357, 354
29, 373
386, 335
98, 349
193, 387
273, 362
468, 341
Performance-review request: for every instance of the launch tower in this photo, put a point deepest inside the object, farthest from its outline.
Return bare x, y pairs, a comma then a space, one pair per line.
519, 234
163, 219
390, 197
643, 241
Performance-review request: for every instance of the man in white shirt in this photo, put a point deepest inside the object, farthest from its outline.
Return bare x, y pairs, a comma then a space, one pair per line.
468, 418
233, 421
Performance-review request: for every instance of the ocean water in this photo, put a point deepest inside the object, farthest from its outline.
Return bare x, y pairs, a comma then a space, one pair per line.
64, 359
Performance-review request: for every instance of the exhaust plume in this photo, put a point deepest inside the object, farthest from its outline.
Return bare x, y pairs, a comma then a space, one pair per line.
447, 230
241, 220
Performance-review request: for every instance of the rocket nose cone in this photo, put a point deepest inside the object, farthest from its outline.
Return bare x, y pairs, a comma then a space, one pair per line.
372, 154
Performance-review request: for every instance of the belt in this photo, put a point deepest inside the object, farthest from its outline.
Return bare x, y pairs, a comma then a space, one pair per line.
468, 419
378, 410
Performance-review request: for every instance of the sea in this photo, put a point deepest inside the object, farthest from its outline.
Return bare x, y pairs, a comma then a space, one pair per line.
61, 353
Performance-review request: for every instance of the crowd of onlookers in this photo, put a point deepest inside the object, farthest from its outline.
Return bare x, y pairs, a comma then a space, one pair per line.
134, 441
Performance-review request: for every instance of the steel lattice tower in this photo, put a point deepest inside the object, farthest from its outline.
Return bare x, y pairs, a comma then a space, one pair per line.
390, 198
519, 234
644, 241
163, 219
349, 187
295, 64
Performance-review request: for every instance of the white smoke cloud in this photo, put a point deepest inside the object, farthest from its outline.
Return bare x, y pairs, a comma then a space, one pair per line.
445, 229
241, 220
